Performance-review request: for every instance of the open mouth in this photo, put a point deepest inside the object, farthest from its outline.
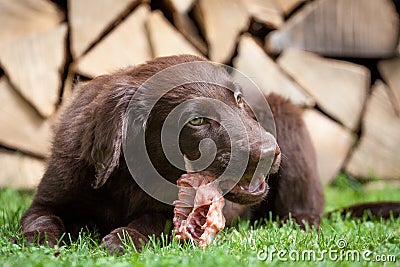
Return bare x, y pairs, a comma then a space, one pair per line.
253, 192
246, 193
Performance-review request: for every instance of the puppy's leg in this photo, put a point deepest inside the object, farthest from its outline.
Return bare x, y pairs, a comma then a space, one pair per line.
41, 225
137, 230
296, 188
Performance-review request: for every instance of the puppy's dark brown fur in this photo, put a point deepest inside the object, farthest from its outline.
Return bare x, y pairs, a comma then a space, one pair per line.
87, 182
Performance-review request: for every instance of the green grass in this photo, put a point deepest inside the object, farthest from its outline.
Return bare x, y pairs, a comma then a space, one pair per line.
244, 245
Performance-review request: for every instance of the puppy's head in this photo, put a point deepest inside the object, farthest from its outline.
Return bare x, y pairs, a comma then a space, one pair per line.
205, 124
185, 109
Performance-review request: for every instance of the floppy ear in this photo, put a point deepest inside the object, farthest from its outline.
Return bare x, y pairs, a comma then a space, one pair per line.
102, 138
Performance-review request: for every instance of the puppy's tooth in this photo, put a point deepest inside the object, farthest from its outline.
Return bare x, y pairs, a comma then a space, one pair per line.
241, 187
253, 187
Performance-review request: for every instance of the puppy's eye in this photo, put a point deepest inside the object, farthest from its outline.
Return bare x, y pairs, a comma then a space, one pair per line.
239, 100
197, 121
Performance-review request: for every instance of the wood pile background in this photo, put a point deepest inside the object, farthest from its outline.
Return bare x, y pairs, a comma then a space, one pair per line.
338, 59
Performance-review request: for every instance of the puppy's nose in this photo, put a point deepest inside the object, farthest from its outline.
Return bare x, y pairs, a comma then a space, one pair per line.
264, 154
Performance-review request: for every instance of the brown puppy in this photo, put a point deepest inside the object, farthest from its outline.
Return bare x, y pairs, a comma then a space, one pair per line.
88, 184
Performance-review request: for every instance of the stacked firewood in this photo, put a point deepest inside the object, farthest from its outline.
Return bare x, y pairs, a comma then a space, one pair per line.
338, 59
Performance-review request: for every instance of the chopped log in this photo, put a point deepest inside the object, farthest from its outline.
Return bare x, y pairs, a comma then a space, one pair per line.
91, 18
165, 40
332, 143
253, 62
381, 185
222, 26
33, 64
377, 153
342, 28
339, 87
181, 6
125, 45
20, 171
187, 27
184, 24
390, 70
21, 127
266, 11
24, 17
68, 85
287, 6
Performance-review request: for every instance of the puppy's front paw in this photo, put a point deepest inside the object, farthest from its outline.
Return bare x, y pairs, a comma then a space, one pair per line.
113, 242
41, 238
